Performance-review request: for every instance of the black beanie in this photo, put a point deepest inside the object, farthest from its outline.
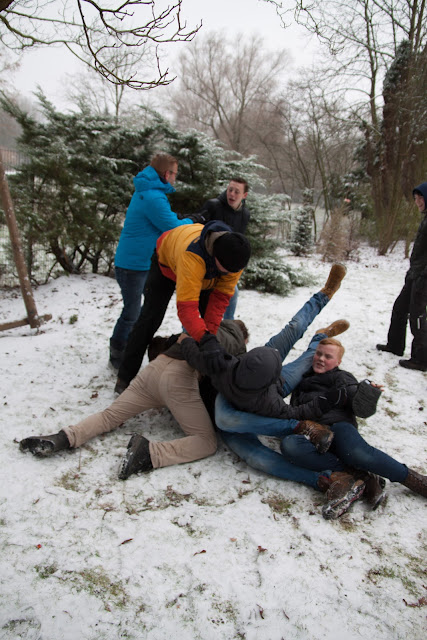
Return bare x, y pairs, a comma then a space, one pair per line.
232, 250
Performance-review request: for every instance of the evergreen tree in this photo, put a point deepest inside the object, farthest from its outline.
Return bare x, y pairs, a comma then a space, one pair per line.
302, 237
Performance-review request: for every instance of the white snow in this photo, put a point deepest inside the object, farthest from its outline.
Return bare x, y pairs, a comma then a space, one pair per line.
211, 550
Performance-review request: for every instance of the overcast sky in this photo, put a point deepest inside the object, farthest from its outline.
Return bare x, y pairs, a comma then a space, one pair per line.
50, 67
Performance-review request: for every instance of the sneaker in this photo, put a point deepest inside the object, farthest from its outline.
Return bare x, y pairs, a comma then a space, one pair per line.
343, 491
137, 457
44, 446
121, 385
413, 364
335, 328
385, 347
333, 282
319, 434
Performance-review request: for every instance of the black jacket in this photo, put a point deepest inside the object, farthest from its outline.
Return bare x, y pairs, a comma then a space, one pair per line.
219, 209
314, 384
252, 382
418, 259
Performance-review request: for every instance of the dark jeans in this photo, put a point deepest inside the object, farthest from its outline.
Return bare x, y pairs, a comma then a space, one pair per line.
411, 301
348, 449
131, 285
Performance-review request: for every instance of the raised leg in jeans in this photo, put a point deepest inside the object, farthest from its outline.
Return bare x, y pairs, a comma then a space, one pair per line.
255, 454
348, 449
157, 294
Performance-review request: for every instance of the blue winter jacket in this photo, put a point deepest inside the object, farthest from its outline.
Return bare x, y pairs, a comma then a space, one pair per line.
149, 214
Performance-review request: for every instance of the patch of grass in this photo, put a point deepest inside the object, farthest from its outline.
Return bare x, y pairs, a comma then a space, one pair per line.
45, 571
69, 481
391, 414
73, 319
278, 503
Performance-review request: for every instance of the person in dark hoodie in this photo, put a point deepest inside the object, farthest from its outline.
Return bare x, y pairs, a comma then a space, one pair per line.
204, 264
412, 300
230, 207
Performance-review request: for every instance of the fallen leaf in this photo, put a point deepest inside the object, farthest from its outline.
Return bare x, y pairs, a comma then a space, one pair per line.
126, 541
197, 552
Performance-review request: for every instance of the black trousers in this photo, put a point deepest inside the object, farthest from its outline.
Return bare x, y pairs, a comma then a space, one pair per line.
410, 303
158, 291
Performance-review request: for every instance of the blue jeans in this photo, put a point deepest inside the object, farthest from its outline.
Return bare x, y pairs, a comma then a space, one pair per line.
348, 449
239, 428
131, 285
231, 309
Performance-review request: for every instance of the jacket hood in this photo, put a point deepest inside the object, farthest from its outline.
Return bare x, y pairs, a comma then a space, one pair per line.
150, 179
422, 188
258, 369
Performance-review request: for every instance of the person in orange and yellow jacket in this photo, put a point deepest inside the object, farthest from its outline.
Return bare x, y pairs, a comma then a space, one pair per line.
204, 264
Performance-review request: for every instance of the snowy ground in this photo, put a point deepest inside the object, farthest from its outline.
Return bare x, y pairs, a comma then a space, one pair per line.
211, 550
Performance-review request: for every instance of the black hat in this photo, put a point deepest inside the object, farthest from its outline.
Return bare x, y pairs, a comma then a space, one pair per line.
232, 250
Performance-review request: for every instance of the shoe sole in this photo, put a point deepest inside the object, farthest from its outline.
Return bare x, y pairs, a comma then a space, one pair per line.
36, 447
336, 508
129, 456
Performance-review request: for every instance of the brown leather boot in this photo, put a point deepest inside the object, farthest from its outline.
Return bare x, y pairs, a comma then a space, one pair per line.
374, 492
335, 328
333, 282
319, 434
343, 490
416, 482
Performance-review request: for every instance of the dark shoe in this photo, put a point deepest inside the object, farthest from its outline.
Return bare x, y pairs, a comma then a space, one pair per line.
412, 364
319, 434
385, 347
343, 491
121, 385
416, 482
44, 446
116, 355
335, 328
374, 492
333, 282
137, 457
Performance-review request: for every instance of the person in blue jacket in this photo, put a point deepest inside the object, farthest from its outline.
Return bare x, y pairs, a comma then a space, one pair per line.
148, 216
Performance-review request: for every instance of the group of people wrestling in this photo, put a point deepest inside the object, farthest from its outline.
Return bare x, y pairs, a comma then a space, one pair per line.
209, 382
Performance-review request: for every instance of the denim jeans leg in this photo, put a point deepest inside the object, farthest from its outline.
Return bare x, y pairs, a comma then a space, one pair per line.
231, 309
256, 455
295, 329
293, 372
232, 420
131, 285
296, 449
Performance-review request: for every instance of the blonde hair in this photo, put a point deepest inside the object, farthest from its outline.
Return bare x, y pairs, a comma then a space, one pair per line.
336, 343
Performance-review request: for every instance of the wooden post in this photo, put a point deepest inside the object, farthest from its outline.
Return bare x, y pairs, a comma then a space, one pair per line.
24, 280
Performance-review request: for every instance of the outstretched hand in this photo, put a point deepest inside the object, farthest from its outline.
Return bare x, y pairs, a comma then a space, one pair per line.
213, 354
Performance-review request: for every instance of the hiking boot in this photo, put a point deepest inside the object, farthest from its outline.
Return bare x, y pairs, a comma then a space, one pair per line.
335, 328
374, 492
385, 347
413, 364
121, 385
318, 434
344, 489
137, 457
44, 446
416, 482
333, 282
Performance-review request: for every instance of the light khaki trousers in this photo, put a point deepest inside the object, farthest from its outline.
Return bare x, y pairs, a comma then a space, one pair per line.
164, 382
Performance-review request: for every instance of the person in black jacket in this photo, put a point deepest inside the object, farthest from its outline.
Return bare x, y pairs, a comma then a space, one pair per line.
230, 207
412, 300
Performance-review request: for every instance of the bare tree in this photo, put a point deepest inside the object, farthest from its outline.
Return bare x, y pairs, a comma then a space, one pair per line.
93, 33
227, 88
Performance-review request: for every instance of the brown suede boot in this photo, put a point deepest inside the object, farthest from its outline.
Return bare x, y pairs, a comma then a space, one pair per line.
343, 490
416, 482
335, 328
319, 434
374, 492
333, 282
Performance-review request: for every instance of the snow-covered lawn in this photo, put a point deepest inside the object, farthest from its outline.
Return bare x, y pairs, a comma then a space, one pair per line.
211, 550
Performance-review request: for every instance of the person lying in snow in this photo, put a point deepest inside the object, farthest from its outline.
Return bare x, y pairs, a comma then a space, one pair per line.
169, 381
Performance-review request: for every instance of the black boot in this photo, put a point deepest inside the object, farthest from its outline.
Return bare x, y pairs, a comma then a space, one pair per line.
116, 354
137, 457
416, 482
44, 446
